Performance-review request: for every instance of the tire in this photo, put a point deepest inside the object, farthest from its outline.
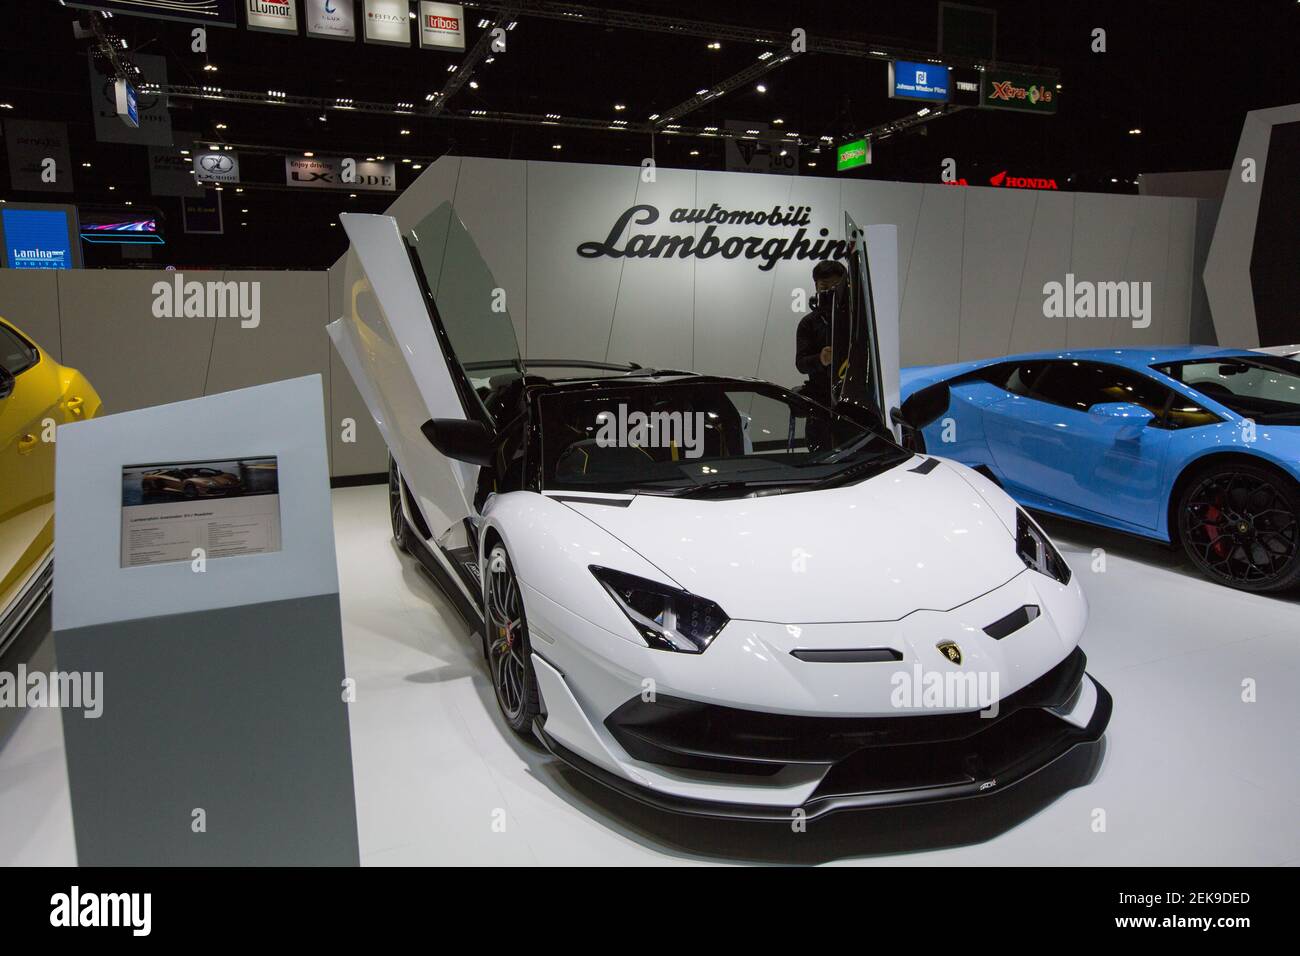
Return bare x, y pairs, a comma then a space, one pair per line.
1240, 525
509, 654
191, 491
396, 517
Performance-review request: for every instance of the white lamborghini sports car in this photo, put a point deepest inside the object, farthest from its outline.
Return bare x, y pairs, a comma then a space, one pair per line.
735, 622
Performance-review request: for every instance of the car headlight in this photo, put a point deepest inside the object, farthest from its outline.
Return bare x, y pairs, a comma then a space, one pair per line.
667, 618
1037, 552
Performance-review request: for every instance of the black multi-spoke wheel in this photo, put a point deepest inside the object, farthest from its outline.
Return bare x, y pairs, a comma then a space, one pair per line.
509, 657
401, 530
1239, 525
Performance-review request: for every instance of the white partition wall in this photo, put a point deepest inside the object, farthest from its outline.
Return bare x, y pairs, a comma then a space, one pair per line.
972, 264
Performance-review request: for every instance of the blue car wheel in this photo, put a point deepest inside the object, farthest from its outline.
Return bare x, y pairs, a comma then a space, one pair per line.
1239, 524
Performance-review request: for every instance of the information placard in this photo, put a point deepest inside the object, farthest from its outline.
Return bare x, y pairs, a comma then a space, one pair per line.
179, 510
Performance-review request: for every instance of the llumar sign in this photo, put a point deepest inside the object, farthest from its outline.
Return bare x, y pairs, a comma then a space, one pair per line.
1018, 91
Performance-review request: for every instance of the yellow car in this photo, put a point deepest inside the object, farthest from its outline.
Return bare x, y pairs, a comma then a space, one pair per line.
37, 394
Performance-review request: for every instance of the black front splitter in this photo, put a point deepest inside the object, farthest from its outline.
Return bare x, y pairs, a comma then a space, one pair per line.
821, 804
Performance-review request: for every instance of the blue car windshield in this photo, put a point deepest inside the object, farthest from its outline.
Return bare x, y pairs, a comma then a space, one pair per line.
1264, 388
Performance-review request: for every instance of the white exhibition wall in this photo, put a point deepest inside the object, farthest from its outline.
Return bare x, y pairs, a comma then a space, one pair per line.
972, 265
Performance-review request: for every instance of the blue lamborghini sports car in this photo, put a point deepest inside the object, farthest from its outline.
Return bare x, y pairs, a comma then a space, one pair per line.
1195, 445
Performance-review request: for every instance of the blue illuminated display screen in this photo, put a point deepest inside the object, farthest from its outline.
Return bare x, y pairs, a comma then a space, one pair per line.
918, 81
37, 239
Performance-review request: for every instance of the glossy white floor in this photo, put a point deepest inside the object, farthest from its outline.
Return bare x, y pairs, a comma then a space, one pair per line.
1191, 774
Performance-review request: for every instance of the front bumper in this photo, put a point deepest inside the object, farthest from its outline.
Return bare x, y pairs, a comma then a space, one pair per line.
861, 762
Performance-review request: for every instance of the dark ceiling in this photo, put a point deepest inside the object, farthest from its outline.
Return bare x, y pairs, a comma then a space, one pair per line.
1183, 71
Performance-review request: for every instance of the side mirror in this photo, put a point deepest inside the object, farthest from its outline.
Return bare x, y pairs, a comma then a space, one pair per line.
471, 442
1126, 413
923, 407
6, 382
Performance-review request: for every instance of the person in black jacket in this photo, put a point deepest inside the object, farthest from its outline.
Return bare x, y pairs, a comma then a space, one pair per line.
813, 349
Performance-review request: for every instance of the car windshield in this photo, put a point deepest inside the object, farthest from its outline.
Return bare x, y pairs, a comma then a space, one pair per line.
1264, 388
702, 438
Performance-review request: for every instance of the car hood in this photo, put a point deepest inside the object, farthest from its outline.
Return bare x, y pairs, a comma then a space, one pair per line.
877, 550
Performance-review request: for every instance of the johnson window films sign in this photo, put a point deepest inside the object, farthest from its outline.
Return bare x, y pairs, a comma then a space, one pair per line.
219, 13
388, 21
1019, 91
918, 81
274, 16
332, 19
442, 26
328, 173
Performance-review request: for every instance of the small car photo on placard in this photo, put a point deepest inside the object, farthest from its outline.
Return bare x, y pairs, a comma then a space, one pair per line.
182, 511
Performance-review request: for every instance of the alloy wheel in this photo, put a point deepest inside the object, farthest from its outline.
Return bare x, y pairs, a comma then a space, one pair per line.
507, 637
1241, 528
395, 515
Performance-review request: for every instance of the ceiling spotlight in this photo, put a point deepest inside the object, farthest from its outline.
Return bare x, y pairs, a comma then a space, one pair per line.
406, 160
209, 68
761, 88
111, 188
778, 122
309, 154
244, 211
6, 106
473, 84
1058, 86
556, 146
812, 162
352, 195
406, 132
86, 165
221, 126
418, 166
490, 59
695, 152
619, 107
213, 146
380, 158
715, 45
1135, 132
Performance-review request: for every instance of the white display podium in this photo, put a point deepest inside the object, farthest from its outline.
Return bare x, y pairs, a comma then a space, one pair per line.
224, 735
